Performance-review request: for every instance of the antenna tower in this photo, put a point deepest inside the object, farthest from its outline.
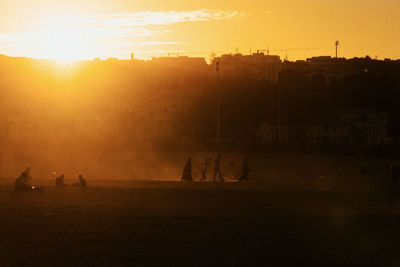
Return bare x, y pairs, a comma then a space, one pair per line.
336, 45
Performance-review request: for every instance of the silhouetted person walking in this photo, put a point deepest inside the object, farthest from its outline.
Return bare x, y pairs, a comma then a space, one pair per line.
245, 170
60, 181
187, 171
22, 182
204, 168
217, 168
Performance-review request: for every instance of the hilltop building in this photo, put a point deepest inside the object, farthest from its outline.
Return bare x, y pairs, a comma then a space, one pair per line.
338, 68
258, 65
183, 61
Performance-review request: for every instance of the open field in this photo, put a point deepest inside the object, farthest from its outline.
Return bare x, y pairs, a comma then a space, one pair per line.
170, 223
279, 171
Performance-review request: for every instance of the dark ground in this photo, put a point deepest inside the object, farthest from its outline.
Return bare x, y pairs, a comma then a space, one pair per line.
169, 223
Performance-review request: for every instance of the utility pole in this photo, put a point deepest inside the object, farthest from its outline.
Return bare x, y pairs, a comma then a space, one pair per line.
279, 111
336, 45
218, 107
279, 115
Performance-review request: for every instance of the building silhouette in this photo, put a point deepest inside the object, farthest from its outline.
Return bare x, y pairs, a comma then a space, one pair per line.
257, 65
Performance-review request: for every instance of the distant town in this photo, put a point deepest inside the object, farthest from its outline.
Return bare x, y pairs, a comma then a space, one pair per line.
266, 104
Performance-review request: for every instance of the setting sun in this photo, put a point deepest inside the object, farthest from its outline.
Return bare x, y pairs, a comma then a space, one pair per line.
211, 133
63, 45
70, 30
60, 39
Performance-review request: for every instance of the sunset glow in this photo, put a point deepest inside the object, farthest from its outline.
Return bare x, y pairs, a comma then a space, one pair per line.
297, 29
212, 132
63, 45
100, 36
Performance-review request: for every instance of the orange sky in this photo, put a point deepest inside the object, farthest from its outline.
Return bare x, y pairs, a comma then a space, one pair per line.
82, 29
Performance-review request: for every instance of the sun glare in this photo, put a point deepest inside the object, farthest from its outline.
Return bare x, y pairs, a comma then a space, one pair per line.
63, 44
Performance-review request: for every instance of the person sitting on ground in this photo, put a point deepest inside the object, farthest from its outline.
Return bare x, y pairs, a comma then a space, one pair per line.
82, 181
22, 182
187, 171
60, 181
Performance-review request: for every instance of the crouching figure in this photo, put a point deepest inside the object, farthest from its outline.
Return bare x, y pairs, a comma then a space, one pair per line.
60, 181
82, 181
22, 182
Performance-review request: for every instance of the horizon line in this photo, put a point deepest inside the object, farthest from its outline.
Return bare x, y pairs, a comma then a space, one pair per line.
177, 55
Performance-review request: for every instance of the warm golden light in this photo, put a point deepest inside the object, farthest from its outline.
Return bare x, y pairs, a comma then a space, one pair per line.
67, 30
63, 45
61, 42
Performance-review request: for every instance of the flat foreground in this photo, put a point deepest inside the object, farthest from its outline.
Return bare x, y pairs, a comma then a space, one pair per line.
169, 223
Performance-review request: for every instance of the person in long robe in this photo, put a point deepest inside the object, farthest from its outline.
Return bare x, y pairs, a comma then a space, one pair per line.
187, 171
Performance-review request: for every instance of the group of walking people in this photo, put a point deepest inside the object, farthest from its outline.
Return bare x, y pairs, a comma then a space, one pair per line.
22, 183
187, 170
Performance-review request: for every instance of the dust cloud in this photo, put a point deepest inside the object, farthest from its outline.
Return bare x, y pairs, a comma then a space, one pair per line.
105, 119
120, 120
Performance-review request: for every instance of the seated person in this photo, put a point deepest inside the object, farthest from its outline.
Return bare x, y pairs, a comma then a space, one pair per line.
82, 181
60, 181
22, 182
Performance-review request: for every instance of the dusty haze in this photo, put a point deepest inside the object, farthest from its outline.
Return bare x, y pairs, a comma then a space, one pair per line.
95, 118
